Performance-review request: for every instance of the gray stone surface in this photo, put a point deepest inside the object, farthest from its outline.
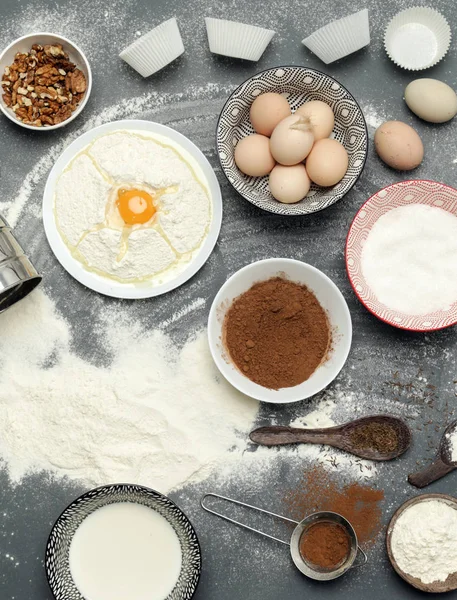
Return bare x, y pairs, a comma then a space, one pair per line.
236, 563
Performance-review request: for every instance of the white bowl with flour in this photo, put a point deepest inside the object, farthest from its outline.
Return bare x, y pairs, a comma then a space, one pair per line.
81, 221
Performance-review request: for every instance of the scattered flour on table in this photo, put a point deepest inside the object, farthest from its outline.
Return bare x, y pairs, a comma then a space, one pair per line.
182, 312
451, 439
372, 117
156, 416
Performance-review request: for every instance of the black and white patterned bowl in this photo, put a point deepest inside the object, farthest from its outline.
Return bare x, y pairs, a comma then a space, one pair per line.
58, 546
299, 85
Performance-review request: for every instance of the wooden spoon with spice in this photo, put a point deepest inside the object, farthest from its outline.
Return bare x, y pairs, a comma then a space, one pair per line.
443, 463
379, 437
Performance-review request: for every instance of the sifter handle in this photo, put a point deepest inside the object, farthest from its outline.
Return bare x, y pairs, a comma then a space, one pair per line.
363, 561
237, 502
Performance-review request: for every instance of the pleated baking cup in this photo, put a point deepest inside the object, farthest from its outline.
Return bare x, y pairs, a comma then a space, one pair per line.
340, 38
237, 40
417, 38
155, 50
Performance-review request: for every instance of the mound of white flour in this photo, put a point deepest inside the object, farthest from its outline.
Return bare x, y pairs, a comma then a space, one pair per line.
157, 416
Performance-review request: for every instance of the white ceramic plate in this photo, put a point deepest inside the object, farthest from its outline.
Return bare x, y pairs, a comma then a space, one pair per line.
107, 286
330, 298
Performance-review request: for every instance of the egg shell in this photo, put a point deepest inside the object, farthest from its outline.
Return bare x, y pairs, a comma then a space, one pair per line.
289, 184
267, 111
327, 163
253, 156
292, 140
431, 100
399, 145
321, 116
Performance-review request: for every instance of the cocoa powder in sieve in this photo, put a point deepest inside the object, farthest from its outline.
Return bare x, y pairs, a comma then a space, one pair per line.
277, 333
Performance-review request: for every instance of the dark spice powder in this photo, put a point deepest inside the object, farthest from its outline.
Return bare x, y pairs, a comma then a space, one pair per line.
320, 490
375, 436
277, 333
325, 545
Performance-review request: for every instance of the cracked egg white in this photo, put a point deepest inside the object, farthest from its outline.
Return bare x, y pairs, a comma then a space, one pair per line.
132, 208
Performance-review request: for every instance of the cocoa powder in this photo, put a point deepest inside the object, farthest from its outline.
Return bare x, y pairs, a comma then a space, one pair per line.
325, 545
359, 504
277, 333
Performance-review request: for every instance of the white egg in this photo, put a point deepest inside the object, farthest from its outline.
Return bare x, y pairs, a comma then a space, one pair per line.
289, 184
431, 100
292, 140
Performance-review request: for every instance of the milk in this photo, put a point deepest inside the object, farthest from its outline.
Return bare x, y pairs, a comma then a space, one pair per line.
125, 551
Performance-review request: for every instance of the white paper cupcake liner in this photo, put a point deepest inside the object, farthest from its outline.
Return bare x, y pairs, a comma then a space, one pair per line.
417, 38
237, 40
155, 49
340, 38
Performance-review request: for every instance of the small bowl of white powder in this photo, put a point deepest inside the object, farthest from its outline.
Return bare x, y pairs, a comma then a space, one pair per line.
123, 541
422, 542
400, 255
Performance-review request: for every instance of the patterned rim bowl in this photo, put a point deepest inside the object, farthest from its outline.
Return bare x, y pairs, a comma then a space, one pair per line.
58, 546
299, 85
419, 191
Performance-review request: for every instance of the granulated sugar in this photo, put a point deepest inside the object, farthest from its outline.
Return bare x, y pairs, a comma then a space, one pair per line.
408, 259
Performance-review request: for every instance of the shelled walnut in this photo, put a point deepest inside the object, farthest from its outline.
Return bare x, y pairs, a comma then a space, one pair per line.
43, 87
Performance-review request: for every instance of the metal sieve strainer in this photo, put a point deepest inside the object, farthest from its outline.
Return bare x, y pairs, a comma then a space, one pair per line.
294, 544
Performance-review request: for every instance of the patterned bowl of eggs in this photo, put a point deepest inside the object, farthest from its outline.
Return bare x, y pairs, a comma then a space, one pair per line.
299, 85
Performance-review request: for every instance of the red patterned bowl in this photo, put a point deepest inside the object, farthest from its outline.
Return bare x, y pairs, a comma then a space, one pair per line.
419, 191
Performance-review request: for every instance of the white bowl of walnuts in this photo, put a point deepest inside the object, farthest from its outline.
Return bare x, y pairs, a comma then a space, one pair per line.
46, 81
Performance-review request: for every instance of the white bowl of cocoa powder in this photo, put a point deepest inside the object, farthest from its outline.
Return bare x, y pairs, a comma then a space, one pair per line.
279, 330
46, 81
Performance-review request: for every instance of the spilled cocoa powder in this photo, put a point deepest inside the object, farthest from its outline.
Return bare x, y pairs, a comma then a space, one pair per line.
277, 333
320, 490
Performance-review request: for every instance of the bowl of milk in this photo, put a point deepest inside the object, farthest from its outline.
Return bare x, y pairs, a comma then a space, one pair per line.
123, 541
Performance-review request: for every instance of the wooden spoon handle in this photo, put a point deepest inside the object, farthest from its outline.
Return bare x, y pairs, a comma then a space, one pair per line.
429, 474
280, 436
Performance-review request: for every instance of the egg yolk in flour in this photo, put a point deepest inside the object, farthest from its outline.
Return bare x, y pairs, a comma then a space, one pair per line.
135, 206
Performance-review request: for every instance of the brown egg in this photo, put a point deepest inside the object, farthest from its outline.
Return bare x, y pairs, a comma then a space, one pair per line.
289, 184
291, 140
399, 145
320, 115
327, 162
253, 156
267, 111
